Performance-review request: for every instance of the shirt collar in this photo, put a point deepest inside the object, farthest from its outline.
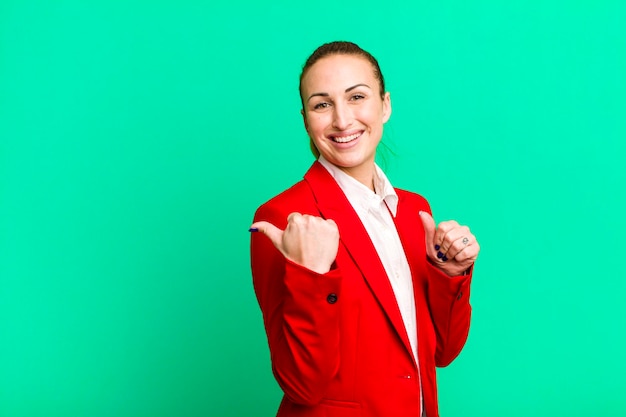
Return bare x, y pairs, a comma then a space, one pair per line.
360, 196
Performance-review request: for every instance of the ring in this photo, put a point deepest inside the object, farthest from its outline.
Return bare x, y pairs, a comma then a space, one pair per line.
465, 241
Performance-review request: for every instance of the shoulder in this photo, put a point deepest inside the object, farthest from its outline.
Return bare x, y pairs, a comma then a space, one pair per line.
302, 197
293, 194
297, 198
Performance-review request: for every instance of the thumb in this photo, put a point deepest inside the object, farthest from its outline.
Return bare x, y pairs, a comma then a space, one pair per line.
429, 231
271, 231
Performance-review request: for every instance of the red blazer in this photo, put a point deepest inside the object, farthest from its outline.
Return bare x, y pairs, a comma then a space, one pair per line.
337, 342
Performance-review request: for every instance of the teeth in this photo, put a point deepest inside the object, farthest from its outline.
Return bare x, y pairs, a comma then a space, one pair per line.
345, 139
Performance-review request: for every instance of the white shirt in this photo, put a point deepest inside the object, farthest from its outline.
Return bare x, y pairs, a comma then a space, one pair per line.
375, 210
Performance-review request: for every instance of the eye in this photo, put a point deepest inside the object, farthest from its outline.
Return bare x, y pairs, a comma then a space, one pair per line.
356, 97
321, 105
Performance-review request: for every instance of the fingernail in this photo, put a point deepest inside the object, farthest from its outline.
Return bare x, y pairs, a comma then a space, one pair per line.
253, 229
437, 247
439, 255
445, 258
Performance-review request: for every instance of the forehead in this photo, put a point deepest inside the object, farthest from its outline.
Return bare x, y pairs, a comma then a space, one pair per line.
338, 72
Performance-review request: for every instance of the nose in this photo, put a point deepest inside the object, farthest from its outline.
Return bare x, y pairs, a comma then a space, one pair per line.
342, 116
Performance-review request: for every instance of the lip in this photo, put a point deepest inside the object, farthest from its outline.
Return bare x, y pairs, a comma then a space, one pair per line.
345, 138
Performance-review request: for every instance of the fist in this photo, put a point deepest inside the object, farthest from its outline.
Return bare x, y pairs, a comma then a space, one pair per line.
307, 240
450, 246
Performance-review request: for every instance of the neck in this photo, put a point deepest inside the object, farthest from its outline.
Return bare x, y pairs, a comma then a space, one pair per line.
364, 175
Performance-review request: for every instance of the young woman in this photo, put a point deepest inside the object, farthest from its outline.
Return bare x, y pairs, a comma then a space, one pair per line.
362, 294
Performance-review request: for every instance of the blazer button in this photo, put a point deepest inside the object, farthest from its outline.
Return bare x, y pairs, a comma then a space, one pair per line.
458, 297
332, 298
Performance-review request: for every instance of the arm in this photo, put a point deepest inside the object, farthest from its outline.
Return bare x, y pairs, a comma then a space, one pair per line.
450, 309
300, 312
452, 250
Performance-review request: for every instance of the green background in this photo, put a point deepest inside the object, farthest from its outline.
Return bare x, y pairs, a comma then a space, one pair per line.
137, 139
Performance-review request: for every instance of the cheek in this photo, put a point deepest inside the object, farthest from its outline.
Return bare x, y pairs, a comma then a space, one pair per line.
372, 114
317, 124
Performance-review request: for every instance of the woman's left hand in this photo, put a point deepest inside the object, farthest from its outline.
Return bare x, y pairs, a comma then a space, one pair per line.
450, 246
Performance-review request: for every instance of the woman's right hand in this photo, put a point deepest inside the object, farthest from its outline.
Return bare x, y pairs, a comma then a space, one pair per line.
307, 240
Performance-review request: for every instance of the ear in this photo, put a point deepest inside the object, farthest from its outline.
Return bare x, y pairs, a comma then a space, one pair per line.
306, 124
386, 107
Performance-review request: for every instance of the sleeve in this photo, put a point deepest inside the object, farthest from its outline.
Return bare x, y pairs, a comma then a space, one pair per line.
451, 312
300, 313
450, 309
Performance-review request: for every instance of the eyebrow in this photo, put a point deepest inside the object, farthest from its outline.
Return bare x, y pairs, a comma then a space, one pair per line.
347, 90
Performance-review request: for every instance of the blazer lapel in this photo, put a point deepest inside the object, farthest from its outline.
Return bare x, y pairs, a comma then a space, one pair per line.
411, 232
333, 204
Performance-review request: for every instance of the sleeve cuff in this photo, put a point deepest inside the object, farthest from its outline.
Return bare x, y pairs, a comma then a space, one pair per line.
452, 284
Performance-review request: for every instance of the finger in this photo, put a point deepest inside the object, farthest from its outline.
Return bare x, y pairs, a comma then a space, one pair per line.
332, 223
461, 244
442, 230
454, 234
271, 231
294, 216
429, 231
469, 253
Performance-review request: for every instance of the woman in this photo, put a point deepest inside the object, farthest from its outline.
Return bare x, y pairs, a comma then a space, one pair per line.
362, 294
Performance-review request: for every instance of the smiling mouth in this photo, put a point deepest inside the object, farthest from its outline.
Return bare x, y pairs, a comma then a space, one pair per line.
346, 139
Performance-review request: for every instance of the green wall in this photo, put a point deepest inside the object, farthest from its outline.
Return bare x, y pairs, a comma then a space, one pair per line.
138, 137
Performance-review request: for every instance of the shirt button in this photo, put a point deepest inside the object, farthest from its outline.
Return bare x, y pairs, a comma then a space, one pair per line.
331, 298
